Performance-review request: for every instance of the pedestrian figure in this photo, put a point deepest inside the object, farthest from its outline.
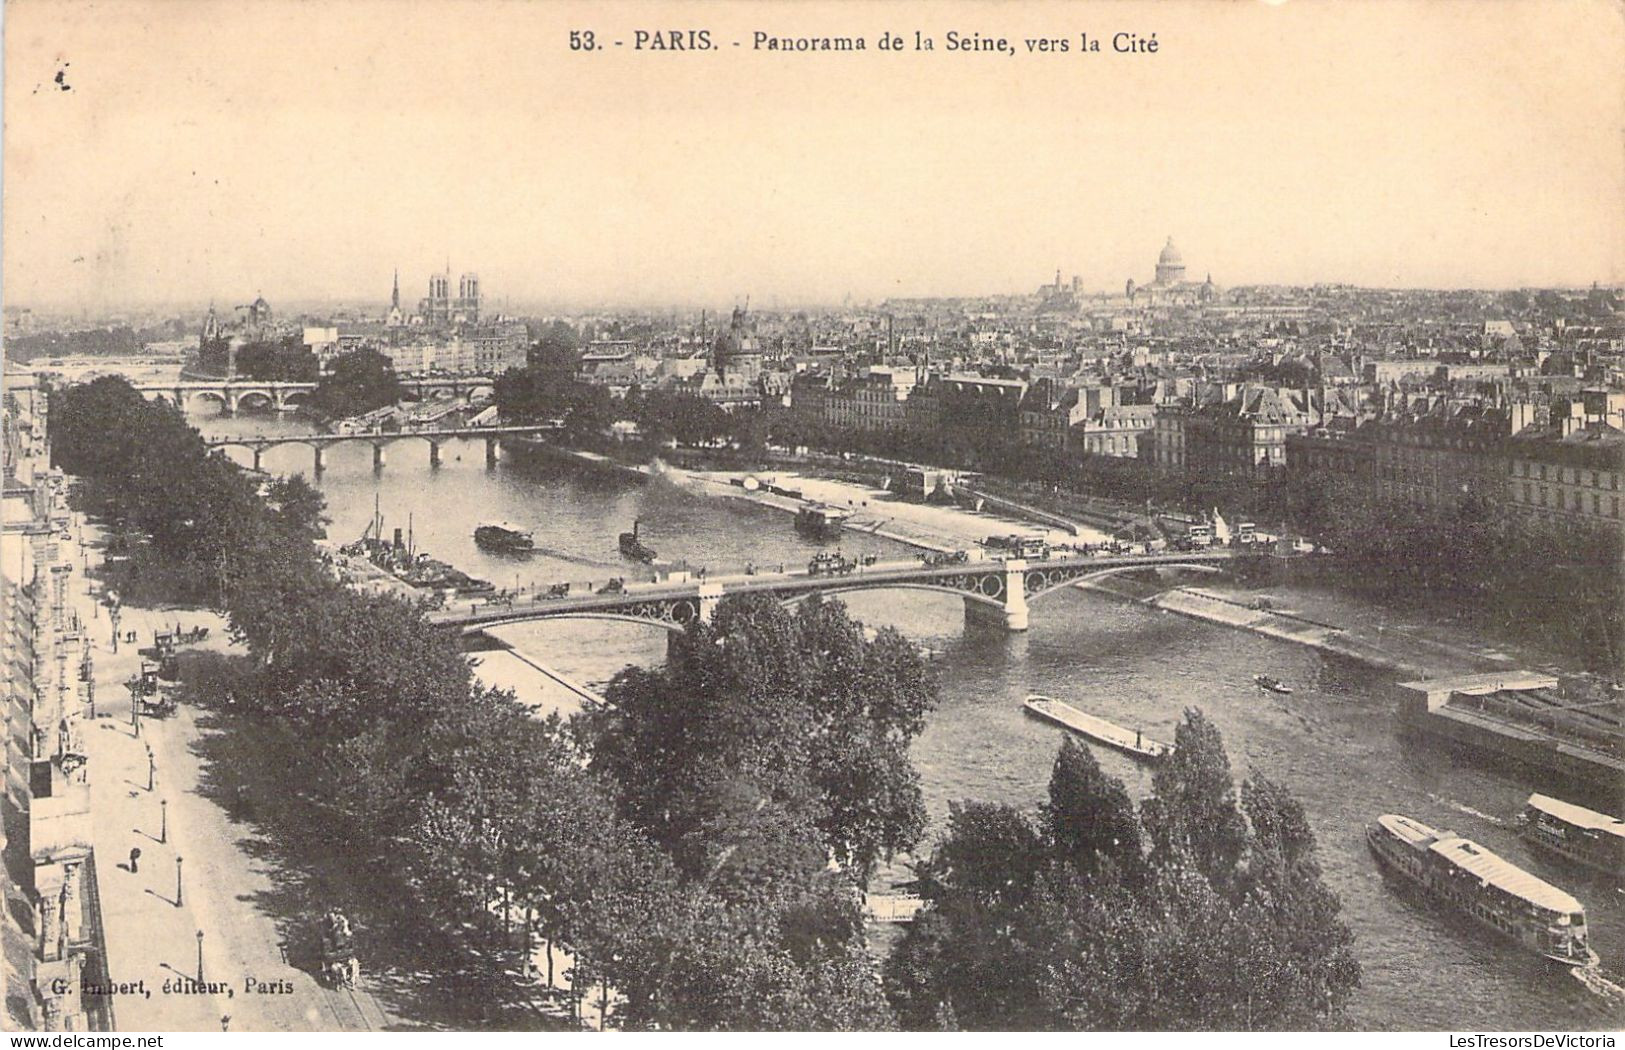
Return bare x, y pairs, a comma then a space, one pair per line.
135, 859
225, 1022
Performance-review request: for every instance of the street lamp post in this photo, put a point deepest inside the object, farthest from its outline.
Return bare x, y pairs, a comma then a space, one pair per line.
133, 684
200, 957
178, 883
163, 834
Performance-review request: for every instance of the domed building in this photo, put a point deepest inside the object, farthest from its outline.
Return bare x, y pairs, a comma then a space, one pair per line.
737, 350
1169, 287
1170, 266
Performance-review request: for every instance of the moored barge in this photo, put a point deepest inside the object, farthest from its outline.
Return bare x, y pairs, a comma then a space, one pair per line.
1064, 714
1575, 833
504, 536
821, 521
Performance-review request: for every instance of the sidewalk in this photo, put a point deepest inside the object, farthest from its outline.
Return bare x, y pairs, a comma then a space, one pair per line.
150, 942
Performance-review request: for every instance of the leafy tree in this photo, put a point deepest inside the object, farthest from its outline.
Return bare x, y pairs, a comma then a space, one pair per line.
297, 508
1192, 812
725, 972
357, 382
281, 360
1090, 820
1224, 924
799, 705
555, 348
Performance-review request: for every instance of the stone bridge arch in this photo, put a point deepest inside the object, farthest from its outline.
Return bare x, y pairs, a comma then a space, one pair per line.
254, 398
194, 399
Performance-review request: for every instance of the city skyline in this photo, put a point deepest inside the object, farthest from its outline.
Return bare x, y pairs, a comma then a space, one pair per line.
393, 136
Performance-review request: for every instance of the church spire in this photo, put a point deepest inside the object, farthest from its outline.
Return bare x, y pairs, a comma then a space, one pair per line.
395, 294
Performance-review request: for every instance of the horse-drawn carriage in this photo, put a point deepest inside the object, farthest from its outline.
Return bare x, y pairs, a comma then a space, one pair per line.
167, 665
147, 694
336, 950
177, 637
825, 563
160, 705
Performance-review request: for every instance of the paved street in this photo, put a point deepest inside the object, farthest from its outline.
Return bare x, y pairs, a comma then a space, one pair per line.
151, 938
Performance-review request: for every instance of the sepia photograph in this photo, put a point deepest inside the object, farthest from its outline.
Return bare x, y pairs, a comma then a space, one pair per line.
547, 516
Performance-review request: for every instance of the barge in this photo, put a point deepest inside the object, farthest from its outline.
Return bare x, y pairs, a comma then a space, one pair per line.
1493, 892
505, 537
821, 521
1130, 741
1584, 836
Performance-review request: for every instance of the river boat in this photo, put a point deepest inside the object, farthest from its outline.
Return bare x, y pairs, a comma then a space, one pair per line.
1575, 833
1131, 741
1492, 891
403, 560
503, 536
1274, 685
634, 548
821, 521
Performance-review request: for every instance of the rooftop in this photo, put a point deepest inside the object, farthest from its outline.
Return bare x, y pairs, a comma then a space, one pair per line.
1493, 870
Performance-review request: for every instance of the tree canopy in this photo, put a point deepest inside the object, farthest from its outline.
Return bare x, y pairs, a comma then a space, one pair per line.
1198, 912
355, 383
796, 709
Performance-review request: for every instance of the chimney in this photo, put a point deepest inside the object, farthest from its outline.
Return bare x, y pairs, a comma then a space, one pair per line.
1521, 415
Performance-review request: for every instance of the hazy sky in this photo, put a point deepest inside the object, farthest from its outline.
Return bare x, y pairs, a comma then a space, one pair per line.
299, 150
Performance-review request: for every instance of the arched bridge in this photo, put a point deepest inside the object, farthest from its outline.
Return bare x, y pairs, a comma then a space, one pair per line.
235, 393
319, 443
993, 591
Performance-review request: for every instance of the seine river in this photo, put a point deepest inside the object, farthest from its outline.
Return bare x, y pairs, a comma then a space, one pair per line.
1334, 742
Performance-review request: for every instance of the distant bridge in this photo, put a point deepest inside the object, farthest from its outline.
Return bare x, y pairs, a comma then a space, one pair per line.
258, 443
234, 393
996, 592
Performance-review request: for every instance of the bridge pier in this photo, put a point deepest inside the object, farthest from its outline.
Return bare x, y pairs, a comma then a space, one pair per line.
258, 452
493, 451
434, 454
377, 456
710, 595
321, 458
1011, 613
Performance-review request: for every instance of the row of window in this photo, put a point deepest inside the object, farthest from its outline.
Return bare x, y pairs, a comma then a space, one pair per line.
1565, 474
1539, 495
